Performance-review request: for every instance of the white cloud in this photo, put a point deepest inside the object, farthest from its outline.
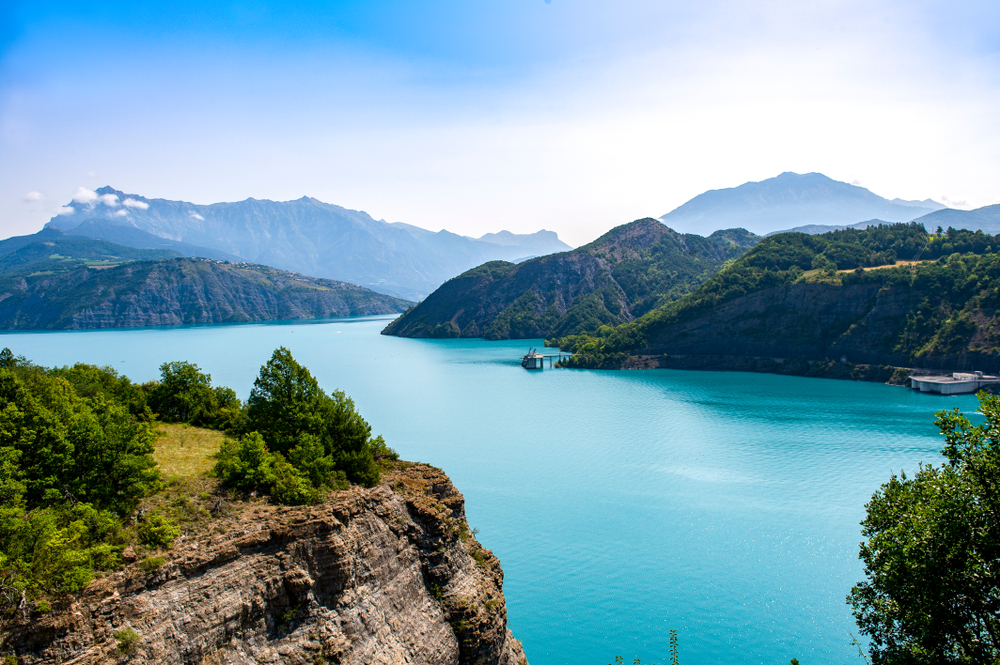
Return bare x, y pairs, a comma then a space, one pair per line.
108, 199
132, 203
66, 210
121, 213
195, 215
954, 203
84, 195
33, 196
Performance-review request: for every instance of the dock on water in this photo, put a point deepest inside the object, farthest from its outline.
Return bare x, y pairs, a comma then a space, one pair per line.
959, 383
534, 360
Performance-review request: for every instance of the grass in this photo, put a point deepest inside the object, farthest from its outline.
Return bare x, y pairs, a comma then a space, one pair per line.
897, 264
183, 451
186, 455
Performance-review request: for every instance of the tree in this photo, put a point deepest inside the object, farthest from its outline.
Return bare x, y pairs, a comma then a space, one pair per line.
54, 444
932, 553
184, 394
299, 420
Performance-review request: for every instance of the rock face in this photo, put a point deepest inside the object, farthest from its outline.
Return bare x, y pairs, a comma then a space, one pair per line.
178, 291
374, 576
618, 277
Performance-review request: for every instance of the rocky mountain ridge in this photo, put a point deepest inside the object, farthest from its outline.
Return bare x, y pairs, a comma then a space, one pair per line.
374, 576
618, 277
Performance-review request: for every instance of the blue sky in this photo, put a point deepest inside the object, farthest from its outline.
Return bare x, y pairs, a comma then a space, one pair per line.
475, 116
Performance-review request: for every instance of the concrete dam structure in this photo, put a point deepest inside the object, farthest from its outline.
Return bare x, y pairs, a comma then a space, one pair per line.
958, 383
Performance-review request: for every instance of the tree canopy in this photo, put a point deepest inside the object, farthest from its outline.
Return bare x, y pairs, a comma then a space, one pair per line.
932, 553
297, 438
75, 458
185, 394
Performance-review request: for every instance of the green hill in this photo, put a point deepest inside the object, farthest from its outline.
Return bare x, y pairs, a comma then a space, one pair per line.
52, 251
627, 272
170, 292
797, 299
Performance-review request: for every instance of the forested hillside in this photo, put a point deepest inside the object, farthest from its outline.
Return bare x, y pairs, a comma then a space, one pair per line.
173, 291
831, 297
625, 273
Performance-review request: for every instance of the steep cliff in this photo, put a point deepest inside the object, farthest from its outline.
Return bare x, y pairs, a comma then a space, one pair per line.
618, 277
374, 576
176, 291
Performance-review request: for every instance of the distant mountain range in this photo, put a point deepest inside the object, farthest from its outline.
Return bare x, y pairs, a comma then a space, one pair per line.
52, 280
791, 201
620, 276
305, 235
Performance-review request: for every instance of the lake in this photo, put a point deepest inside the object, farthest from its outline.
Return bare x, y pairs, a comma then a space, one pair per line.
622, 504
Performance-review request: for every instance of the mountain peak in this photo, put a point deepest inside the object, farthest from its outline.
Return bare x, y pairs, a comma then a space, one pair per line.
785, 201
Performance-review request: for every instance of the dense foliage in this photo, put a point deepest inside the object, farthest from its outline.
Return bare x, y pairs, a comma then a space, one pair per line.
625, 273
955, 287
298, 440
932, 553
185, 394
75, 459
76, 448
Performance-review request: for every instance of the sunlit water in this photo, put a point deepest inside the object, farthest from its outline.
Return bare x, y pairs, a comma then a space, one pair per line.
621, 504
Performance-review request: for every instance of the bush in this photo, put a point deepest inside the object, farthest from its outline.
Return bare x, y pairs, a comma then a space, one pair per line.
157, 531
246, 464
128, 640
151, 563
57, 548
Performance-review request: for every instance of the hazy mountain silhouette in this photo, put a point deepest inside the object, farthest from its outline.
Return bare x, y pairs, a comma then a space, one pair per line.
305, 235
787, 201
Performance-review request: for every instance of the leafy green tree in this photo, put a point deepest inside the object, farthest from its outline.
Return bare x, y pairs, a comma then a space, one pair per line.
90, 381
184, 394
932, 553
69, 447
287, 404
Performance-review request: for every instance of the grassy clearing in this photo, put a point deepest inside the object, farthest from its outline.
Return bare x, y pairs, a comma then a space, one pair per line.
183, 451
190, 499
897, 264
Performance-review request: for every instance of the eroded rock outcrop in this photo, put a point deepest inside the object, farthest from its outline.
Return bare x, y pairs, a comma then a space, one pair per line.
374, 576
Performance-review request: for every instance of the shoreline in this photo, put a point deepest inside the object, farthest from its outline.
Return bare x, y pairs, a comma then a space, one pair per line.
822, 369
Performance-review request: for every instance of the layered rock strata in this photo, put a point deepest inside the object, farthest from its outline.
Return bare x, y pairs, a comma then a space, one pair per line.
374, 576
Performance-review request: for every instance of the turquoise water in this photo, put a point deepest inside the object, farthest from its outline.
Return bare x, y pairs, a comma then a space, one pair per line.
621, 504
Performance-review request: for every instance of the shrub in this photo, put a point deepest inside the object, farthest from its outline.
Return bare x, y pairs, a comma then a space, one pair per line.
128, 640
151, 563
158, 531
245, 463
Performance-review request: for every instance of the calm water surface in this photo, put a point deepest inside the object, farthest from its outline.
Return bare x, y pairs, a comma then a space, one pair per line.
621, 504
